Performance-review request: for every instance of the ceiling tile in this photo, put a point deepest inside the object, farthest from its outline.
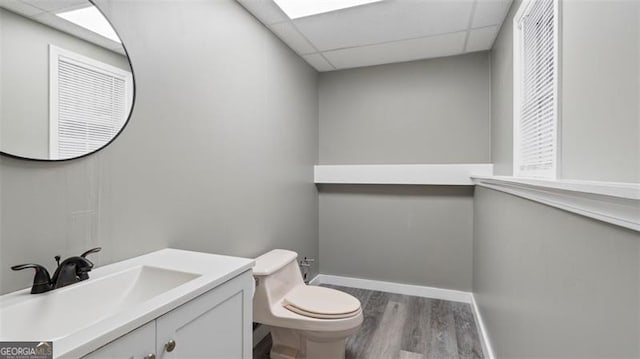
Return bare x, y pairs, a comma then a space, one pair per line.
75, 30
318, 62
288, 33
265, 10
59, 23
119, 49
385, 21
482, 39
20, 8
407, 50
490, 12
58, 5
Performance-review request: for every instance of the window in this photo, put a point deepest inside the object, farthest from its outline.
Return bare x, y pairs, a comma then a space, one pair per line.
535, 150
89, 103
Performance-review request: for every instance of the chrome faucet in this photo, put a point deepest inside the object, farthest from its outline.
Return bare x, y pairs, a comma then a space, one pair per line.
71, 270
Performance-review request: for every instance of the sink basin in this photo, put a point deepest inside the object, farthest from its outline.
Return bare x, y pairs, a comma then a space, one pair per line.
116, 299
63, 311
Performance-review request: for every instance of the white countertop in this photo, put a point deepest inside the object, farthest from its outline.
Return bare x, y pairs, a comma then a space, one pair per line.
203, 271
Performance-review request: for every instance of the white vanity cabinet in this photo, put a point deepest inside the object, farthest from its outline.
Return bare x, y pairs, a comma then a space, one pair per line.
216, 324
137, 344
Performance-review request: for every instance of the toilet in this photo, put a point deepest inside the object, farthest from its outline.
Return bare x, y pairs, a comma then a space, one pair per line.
306, 322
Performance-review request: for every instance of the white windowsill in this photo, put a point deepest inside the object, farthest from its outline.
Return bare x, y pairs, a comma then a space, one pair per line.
613, 189
611, 202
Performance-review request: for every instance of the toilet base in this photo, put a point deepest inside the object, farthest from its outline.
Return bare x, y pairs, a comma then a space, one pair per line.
295, 344
287, 344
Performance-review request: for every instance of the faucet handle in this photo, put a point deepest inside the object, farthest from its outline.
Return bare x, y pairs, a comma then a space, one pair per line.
92, 250
28, 265
41, 280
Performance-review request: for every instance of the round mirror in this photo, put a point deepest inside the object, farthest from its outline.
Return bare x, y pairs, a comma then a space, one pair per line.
66, 83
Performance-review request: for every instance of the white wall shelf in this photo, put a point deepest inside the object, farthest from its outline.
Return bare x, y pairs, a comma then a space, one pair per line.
423, 174
611, 202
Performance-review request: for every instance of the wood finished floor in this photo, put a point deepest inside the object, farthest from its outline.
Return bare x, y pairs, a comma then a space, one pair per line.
406, 327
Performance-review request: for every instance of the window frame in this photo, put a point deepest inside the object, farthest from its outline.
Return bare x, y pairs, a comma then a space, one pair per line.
518, 48
55, 53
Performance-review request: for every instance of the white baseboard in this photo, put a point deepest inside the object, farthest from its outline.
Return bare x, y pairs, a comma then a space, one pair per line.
407, 289
260, 333
486, 343
315, 280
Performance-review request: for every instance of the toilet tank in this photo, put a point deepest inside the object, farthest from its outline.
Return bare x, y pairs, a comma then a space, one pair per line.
276, 273
271, 262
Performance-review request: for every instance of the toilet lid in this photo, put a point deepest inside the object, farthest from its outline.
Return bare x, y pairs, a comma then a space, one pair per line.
320, 302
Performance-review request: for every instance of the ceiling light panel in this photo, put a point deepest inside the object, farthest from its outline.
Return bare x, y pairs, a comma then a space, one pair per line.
301, 8
91, 19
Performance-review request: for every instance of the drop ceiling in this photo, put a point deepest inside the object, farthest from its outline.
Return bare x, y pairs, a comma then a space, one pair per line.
44, 11
387, 31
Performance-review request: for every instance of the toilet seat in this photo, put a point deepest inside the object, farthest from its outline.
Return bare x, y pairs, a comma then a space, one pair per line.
321, 303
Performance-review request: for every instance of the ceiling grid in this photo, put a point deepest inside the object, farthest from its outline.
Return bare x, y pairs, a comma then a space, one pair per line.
387, 31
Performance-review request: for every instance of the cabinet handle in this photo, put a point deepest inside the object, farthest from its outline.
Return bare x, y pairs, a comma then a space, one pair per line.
171, 344
150, 356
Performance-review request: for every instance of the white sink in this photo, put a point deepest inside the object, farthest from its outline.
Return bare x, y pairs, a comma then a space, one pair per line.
64, 311
115, 299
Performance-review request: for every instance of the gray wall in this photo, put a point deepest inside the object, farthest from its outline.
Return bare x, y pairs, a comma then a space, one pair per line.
24, 113
502, 97
405, 234
549, 283
601, 90
217, 156
432, 111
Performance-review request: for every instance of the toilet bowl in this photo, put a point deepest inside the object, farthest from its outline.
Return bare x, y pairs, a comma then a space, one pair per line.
305, 321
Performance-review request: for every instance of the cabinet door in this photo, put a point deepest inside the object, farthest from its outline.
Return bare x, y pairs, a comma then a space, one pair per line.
137, 344
216, 324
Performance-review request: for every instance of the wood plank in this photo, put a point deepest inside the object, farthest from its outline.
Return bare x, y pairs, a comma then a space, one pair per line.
373, 310
410, 355
385, 343
417, 328
469, 345
443, 340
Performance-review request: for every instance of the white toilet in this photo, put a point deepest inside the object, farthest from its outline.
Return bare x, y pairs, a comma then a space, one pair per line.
306, 321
